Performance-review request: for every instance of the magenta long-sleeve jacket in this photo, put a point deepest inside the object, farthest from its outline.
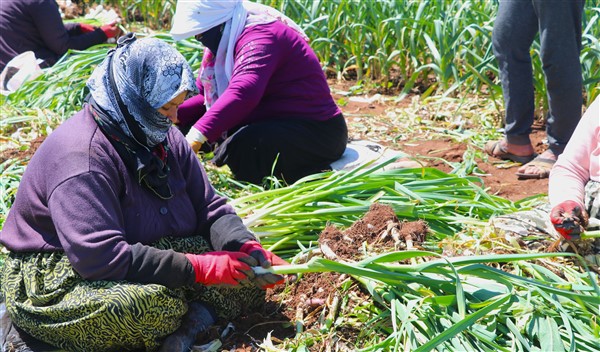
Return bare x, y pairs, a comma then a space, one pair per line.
276, 75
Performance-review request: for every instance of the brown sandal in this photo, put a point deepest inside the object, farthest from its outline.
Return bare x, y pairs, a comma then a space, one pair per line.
544, 164
495, 149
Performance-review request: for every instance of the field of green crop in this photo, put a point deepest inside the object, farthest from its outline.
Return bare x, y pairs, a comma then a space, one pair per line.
491, 294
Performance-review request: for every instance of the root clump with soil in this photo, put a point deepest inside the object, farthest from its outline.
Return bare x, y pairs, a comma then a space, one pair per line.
314, 301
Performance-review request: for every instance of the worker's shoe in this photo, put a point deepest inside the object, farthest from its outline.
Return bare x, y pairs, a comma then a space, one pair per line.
197, 319
10, 340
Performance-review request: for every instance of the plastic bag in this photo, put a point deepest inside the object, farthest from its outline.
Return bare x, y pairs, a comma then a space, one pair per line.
20, 69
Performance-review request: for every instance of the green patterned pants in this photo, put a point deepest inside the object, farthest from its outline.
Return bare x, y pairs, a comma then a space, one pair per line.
50, 301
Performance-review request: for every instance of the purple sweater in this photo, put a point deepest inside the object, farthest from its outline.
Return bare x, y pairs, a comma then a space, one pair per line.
36, 25
276, 75
76, 195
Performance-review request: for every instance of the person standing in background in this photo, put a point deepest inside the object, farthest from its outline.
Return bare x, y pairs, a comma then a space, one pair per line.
559, 24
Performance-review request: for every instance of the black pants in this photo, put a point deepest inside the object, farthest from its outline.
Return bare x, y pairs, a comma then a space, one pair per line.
287, 149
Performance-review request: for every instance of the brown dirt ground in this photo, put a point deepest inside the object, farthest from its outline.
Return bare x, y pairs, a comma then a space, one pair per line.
307, 303
313, 297
304, 304
500, 181
499, 177
21, 154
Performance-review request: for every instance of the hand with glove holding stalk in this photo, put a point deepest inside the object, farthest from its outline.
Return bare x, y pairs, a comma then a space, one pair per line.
266, 259
569, 219
241, 257
232, 268
222, 268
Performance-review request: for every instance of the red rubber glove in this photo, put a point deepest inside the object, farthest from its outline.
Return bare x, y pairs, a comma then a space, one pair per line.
110, 30
569, 219
265, 259
222, 268
86, 28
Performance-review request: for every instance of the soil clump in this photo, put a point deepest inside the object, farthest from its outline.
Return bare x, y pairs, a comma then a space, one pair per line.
314, 301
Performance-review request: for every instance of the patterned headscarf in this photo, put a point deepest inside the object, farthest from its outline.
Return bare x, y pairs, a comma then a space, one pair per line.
198, 16
127, 88
148, 73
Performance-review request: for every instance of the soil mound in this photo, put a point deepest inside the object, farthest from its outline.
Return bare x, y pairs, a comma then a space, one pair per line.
315, 300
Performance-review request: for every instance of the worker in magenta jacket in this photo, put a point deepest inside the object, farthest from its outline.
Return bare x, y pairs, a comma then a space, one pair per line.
264, 99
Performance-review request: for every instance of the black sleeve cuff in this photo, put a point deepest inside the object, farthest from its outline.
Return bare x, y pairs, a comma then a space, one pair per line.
99, 33
150, 265
72, 28
229, 233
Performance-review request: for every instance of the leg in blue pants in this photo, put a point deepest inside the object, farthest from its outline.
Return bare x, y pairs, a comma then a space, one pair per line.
558, 23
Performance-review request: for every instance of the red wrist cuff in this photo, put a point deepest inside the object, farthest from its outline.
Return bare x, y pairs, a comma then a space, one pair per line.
250, 246
86, 28
194, 261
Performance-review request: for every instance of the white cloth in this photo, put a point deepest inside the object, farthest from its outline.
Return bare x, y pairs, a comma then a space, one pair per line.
360, 152
195, 17
22, 68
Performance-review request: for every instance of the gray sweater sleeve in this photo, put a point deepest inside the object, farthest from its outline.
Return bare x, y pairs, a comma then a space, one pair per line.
150, 265
229, 233
172, 269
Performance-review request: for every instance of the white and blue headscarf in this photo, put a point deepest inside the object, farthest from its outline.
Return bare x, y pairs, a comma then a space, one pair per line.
148, 73
198, 16
126, 91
